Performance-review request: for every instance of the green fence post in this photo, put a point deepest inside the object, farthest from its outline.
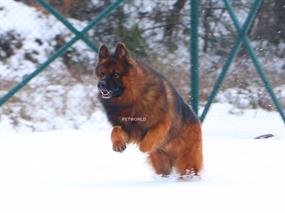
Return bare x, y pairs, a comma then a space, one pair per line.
231, 56
257, 64
194, 50
59, 52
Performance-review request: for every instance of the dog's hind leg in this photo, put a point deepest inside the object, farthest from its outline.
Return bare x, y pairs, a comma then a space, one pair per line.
161, 162
189, 160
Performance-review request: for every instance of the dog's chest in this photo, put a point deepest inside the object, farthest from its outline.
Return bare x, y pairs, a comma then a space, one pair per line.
135, 124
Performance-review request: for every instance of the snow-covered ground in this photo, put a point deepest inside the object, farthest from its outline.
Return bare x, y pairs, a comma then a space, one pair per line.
76, 170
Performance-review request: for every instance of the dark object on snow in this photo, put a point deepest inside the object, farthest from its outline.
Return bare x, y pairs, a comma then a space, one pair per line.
264, 136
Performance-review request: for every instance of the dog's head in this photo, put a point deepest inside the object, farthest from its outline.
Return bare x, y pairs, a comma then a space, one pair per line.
111, 70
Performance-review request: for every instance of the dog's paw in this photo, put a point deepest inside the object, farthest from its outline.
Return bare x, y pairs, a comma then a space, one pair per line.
119, 146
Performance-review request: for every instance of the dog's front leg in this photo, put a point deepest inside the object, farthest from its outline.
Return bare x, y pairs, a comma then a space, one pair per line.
119, 139
155, 137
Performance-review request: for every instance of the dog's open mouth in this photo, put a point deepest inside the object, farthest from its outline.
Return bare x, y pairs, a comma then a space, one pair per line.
106, 94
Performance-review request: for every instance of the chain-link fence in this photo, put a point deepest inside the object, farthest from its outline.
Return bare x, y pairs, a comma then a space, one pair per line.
64, 94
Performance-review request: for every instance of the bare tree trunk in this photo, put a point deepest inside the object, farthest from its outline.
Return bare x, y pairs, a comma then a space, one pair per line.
279, 13
270, 24
173, 18
206, 24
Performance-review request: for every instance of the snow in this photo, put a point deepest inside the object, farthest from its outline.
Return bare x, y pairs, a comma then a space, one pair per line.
58, 100
76, 170
37, 32
249, 124
53, 105
29, 24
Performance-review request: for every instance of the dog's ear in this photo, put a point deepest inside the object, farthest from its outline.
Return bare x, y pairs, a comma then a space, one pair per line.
121, 51
103, 52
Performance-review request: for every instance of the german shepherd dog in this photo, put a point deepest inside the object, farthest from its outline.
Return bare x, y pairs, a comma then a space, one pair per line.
144, 108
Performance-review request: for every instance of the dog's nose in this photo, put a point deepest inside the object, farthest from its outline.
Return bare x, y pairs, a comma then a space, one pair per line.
101, 85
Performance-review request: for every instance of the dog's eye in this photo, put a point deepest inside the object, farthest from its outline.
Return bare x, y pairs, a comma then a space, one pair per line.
102, 75
116, 75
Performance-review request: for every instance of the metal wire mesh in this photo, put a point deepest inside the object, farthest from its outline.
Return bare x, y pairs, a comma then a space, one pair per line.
64, 94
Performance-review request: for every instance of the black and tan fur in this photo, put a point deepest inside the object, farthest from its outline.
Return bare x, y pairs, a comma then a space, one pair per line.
145, 109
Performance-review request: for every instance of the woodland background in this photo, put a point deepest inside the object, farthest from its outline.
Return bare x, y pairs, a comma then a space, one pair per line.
157, 32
